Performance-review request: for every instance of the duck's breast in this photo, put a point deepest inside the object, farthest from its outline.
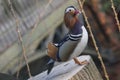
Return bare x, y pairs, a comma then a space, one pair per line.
81, 45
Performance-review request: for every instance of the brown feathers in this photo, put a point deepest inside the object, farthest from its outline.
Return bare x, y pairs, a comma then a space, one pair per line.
70, 19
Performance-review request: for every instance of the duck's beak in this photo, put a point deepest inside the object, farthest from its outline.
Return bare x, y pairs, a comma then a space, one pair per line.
76, 12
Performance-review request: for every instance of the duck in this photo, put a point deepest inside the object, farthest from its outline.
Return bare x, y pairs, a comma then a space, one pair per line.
73, 43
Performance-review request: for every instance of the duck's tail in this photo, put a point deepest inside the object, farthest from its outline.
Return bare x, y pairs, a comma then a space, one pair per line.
50, 65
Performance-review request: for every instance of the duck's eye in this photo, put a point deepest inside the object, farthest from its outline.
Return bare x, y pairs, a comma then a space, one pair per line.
70, 10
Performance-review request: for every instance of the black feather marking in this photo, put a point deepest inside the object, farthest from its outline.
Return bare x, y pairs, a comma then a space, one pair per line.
50, 66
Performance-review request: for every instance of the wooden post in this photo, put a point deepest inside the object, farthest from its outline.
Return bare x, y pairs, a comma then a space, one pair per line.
71, 71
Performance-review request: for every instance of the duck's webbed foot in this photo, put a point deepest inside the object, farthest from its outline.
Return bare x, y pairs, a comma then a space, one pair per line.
80, 62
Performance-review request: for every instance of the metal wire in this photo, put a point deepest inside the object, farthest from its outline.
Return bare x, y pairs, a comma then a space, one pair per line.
20, 37
115, 13
94, 42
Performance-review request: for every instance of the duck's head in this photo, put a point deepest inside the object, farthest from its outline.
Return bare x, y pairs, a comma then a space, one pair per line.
71, 16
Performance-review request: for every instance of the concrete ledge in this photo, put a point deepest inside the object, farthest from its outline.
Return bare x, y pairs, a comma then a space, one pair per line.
71, 71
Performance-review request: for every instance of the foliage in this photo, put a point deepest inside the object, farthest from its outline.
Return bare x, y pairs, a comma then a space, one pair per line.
107, 5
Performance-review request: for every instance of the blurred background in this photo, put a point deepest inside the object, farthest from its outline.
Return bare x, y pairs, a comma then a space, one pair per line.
41, 21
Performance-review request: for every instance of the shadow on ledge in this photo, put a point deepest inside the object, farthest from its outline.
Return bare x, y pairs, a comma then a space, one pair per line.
6, 77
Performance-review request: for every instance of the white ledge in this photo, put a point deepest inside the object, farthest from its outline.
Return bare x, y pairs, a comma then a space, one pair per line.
69, 70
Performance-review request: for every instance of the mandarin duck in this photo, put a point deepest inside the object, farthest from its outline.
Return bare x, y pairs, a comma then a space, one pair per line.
75, 39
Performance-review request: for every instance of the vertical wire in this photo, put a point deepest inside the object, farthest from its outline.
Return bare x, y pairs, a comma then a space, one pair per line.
115, 14
94, 42
33, 29
20, 38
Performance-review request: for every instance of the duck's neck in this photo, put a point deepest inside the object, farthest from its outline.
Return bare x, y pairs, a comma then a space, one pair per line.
77, 29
